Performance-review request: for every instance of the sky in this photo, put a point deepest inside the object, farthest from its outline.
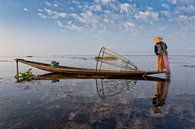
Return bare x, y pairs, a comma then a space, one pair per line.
82, 27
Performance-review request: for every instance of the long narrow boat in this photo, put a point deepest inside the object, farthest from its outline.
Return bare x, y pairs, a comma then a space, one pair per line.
85, 71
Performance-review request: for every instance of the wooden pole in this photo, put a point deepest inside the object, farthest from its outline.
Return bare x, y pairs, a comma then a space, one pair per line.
17, 71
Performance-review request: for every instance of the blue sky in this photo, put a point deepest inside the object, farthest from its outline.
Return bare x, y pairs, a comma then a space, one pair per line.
60, 27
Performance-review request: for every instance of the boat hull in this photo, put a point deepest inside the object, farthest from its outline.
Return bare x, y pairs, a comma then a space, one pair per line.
85, 71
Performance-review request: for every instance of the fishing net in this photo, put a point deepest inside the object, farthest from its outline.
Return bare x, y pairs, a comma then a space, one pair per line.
109, 60
112, 87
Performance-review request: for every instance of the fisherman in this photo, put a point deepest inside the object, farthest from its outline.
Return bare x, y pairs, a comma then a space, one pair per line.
160, 50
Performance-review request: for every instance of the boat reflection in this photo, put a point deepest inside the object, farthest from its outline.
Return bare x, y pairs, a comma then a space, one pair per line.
111, 86
56, 76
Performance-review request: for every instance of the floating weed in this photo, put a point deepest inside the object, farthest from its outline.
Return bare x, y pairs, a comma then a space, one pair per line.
26, 76
29, 56
108, 58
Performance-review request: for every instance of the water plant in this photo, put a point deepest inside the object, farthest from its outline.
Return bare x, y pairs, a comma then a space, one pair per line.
26, 76
108, 58
29, 56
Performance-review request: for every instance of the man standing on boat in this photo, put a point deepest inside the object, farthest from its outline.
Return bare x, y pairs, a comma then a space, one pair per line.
160, 50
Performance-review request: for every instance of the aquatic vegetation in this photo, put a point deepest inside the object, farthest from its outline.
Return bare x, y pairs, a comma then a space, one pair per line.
108, 58
26, 76
29, 56
189, 66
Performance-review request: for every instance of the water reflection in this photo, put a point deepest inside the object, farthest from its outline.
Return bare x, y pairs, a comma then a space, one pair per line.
113, 106
111, 87
160, 96
108, 87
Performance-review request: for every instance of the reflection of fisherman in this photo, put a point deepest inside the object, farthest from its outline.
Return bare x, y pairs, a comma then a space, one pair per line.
159, 99
160, 50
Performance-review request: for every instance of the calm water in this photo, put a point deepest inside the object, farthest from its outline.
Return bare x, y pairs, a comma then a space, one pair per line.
98, 103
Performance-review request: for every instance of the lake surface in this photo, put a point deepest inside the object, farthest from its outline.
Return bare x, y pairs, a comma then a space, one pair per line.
98, 103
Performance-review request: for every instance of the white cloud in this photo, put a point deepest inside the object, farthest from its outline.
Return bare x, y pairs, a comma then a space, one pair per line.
106, 14
95, 7
98, 8
55, 14
166, 14
162, 28
40, 10
49, 11
147, 15
25, 9
188, 2
128, 26
80, 6
126, 8
92, 21
185, 9
183, 17
172, 1
106, 20
51, 4
182, 2
61, 14
106, 11
74, 27
60, 24
73, 15
75, 2
88, 18
186, 18
192, 18
42, 15
63, 28
71, 8
186, 22
105, 2
48, 3
165, 6
55, 5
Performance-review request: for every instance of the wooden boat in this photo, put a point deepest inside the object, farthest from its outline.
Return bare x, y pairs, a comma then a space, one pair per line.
85, 71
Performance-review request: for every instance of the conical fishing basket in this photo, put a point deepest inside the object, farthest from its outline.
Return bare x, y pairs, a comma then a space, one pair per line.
110, 60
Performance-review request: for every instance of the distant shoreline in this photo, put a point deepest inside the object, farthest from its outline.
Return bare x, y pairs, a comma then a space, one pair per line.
82, 55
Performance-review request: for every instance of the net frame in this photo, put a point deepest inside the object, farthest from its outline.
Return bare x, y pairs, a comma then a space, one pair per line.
105, 52
111, 87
